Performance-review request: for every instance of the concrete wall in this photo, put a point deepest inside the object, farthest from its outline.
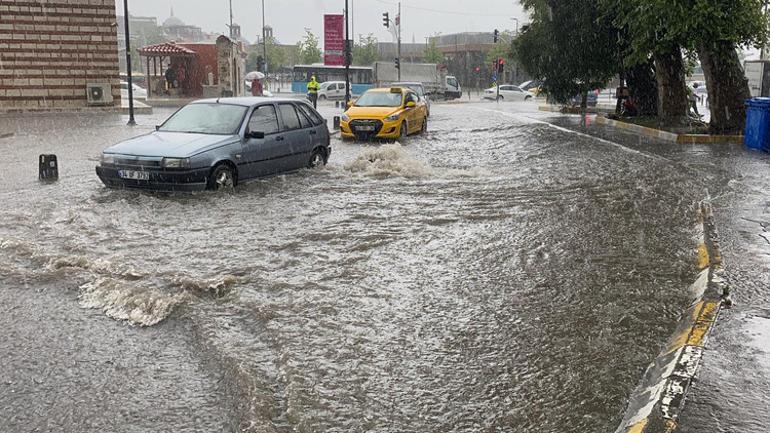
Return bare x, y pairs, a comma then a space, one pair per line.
50, 50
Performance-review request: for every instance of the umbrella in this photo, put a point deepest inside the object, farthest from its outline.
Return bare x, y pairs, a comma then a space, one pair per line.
254, 75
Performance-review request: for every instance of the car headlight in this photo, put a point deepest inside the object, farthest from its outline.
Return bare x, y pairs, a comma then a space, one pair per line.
108, 159
175, 163
345, 117
393, 117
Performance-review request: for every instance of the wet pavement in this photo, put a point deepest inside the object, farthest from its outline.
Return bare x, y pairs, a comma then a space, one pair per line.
499, 274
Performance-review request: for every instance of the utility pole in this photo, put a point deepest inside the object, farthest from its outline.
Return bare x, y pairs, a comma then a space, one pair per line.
347, 56
763, 53
129, 77
496, 37
398, 24
264, 39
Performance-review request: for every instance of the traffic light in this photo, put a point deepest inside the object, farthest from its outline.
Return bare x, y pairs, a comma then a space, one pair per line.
386, 20
260, 64
497, 35
398, 63
501, 66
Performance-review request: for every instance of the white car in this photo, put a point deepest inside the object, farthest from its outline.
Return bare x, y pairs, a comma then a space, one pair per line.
509, 92
331, 90
139, 92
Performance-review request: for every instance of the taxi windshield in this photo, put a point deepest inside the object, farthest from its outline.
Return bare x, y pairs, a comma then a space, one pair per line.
379, 99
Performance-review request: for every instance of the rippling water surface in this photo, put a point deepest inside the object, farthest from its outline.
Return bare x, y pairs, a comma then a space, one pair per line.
496, 275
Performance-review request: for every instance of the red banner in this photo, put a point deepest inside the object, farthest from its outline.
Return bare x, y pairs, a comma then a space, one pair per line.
334, 40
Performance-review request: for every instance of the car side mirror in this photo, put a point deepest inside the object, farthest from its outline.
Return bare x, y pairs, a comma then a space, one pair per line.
349, 104
411, 104
157, 127
258, 135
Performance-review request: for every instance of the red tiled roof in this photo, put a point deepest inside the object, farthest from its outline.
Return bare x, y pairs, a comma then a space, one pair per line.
167, 48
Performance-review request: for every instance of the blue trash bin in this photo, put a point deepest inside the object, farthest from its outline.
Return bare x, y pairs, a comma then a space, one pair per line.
757, 134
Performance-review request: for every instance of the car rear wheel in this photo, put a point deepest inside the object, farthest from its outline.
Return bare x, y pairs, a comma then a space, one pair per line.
222, 178
322, 98
527, 98
317, 159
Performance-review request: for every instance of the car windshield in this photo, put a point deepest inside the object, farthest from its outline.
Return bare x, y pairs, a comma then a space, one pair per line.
218, 119
379, 99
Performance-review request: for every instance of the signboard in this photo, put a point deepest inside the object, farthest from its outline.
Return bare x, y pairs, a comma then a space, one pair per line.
334, 40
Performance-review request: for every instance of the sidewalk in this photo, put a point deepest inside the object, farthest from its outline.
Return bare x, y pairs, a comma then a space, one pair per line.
730, 391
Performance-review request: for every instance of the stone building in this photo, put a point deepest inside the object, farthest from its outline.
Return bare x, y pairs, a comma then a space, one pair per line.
58, 54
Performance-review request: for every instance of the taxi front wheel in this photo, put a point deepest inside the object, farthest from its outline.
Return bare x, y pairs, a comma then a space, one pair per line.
404, 130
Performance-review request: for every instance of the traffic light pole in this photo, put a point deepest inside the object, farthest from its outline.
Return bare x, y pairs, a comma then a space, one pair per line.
399, 40
129, 77
264, 42
347, 56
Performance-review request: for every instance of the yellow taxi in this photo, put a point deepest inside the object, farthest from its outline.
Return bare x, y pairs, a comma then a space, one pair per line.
387, 113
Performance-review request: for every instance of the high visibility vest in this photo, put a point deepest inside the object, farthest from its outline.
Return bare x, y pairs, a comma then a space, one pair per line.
313, 87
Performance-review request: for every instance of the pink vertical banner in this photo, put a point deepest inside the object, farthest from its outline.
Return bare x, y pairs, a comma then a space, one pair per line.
334, 40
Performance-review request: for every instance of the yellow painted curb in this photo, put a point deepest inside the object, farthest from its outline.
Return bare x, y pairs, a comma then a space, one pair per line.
655, 405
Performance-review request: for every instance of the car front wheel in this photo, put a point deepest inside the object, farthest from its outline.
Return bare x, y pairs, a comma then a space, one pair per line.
222, 178
404, 130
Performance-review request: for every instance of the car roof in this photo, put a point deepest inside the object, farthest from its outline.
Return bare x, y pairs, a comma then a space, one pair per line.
246, 101
387, 89
407, 83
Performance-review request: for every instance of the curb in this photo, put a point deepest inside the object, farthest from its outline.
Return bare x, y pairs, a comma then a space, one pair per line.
671, 137
656, 403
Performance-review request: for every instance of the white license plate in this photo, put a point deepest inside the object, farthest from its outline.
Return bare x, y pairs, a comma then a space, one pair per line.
133, 175
365, 128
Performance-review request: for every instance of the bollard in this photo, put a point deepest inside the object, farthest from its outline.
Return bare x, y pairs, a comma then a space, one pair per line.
336, 123
49, 168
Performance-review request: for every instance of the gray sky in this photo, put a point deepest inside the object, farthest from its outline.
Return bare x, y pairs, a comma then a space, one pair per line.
421, 18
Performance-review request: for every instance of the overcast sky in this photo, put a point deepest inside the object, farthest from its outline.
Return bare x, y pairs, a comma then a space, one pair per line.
289, 18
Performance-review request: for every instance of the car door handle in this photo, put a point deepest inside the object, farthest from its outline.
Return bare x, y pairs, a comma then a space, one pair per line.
313, 132
279, 138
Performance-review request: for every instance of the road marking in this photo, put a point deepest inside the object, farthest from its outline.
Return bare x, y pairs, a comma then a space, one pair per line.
570, 131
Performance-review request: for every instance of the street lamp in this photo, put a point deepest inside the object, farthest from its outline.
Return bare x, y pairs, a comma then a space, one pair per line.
131, 121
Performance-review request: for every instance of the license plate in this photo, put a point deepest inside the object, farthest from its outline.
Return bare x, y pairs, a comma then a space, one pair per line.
365, 128
133, 175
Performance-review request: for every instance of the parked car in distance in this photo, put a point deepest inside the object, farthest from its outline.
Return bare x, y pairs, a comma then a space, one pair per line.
385, 113
532, 86
332, 90
418, 88
508, 92
139, 92
219, 143
592, 100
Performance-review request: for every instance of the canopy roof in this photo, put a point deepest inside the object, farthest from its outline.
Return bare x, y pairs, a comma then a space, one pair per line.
169, 49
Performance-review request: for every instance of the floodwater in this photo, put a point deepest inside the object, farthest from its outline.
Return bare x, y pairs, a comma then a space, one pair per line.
498, 275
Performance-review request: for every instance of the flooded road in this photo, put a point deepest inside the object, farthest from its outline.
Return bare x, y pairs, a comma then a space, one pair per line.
498, 274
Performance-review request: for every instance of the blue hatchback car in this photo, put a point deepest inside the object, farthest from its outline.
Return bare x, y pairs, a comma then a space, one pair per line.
219, 143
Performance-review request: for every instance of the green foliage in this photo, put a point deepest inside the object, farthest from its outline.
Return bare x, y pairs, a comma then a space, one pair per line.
276, 55
653, 26
365, 50
433, 54
570, 46
308, 49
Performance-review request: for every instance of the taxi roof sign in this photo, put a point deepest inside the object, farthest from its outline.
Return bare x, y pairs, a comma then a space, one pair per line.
395, 90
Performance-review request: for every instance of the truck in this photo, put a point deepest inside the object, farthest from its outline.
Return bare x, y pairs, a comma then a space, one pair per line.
433, 77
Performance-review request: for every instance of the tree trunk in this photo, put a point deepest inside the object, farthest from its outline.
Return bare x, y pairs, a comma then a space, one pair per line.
728, 88
672, 89
644, 88
584, 102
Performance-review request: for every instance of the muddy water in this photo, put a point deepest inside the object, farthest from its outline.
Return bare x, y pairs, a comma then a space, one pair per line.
495, 275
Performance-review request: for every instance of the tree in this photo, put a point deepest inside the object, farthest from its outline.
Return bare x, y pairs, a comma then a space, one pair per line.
713, 29
365, 51
308, 49
432, 53
559, 49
